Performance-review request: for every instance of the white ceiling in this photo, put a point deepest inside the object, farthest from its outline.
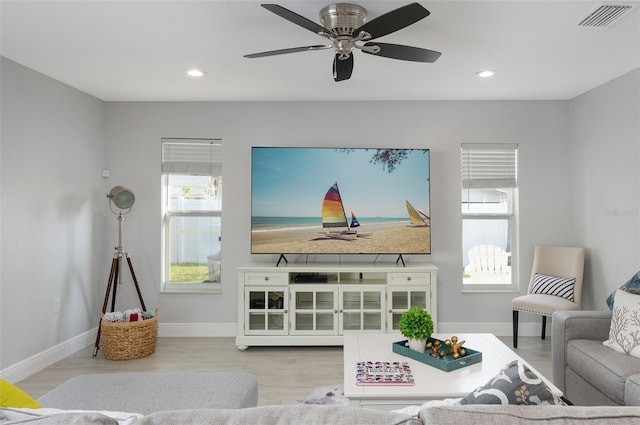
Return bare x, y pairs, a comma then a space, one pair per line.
121, 50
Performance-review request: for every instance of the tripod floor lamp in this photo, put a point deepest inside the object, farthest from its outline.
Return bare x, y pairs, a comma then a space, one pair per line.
123, 199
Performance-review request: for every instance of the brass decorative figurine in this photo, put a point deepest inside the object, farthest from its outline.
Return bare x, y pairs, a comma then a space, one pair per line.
455, 347
435, 348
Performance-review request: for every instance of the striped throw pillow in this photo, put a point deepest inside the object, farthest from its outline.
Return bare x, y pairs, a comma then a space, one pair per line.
553, 285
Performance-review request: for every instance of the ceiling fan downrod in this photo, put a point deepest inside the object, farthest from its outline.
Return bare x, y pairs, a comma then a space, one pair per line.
342, 20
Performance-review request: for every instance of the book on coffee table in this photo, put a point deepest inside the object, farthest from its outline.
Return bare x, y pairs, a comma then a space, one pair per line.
383, 373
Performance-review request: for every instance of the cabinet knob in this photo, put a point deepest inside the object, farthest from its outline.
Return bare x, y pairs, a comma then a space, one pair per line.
335, 311
390, 311
266, 278
285, 311
408, 278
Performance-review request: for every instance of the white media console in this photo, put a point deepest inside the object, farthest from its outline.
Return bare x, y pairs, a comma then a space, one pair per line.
316, 304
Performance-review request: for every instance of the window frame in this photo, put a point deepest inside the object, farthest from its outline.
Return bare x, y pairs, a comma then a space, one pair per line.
504, 179
184, 167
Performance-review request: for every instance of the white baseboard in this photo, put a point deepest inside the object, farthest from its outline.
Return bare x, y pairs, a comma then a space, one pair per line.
496, 328
198, 330
46, 358
230, 329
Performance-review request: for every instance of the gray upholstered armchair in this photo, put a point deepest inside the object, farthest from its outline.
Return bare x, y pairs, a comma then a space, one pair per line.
588, 372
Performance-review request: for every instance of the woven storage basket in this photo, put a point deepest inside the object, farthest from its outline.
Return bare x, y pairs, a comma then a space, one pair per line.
129, 340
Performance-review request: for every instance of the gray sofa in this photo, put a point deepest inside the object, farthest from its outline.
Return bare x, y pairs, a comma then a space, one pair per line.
229, 398
434, 415
345, 415
589, 373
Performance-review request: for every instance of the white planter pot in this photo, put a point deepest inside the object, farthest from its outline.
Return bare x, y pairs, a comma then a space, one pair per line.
417, 344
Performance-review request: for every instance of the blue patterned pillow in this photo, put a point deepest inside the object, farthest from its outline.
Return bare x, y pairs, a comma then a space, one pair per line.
515, 384
553, 285
632, 286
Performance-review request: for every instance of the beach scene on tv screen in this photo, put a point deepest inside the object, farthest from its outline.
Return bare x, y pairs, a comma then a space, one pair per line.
340, 201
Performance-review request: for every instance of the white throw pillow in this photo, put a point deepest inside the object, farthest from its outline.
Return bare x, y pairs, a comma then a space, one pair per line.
624, 333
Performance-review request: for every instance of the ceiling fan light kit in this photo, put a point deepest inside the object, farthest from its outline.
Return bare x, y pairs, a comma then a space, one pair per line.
346, 26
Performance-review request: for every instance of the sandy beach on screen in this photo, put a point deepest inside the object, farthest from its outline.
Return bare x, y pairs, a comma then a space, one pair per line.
384, 238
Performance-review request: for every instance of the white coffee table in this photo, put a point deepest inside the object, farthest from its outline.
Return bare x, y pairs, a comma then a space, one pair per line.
430, 383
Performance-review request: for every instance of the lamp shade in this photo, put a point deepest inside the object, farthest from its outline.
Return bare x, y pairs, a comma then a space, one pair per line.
122, 197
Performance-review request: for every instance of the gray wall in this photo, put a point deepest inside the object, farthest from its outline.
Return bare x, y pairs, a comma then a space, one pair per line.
58, 236
605, 135
53, 148
134, 130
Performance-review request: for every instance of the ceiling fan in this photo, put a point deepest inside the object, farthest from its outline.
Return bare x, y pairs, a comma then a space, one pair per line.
346, 26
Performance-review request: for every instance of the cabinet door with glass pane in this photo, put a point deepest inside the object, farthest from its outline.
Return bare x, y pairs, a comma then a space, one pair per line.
314, 310
361, 308
266, 310
402, 298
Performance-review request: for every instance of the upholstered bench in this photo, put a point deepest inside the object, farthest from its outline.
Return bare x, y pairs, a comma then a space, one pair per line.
153, 392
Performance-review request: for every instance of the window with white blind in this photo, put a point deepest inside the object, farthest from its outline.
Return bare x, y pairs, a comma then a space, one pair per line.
489, 216
192, 214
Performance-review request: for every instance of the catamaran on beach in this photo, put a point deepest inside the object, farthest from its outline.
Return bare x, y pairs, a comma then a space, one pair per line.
334, 217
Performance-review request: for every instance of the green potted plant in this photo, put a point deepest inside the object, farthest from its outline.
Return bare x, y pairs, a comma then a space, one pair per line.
416, 325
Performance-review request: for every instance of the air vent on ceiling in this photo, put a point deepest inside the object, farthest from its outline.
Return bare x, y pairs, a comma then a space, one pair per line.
605, 15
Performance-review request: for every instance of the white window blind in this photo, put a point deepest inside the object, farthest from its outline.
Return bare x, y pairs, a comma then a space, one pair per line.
489, 165
192, 156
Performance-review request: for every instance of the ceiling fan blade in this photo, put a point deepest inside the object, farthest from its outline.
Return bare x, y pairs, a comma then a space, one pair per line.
285, 51
342, 68
394, 20
296, 19
405, 53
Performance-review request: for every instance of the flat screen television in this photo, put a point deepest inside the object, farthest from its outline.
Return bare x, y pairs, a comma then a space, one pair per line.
310, 200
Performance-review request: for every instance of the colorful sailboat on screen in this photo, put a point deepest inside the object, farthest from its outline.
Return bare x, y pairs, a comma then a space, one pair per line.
417, 218
356, 223
334, 217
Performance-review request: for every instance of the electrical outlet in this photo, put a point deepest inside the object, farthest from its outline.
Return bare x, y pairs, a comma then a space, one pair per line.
56, 305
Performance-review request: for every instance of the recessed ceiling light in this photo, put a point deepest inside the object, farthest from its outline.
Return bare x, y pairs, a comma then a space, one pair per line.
196, 73
487, 73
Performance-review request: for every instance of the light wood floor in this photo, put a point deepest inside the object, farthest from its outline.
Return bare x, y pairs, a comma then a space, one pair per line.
284, 374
